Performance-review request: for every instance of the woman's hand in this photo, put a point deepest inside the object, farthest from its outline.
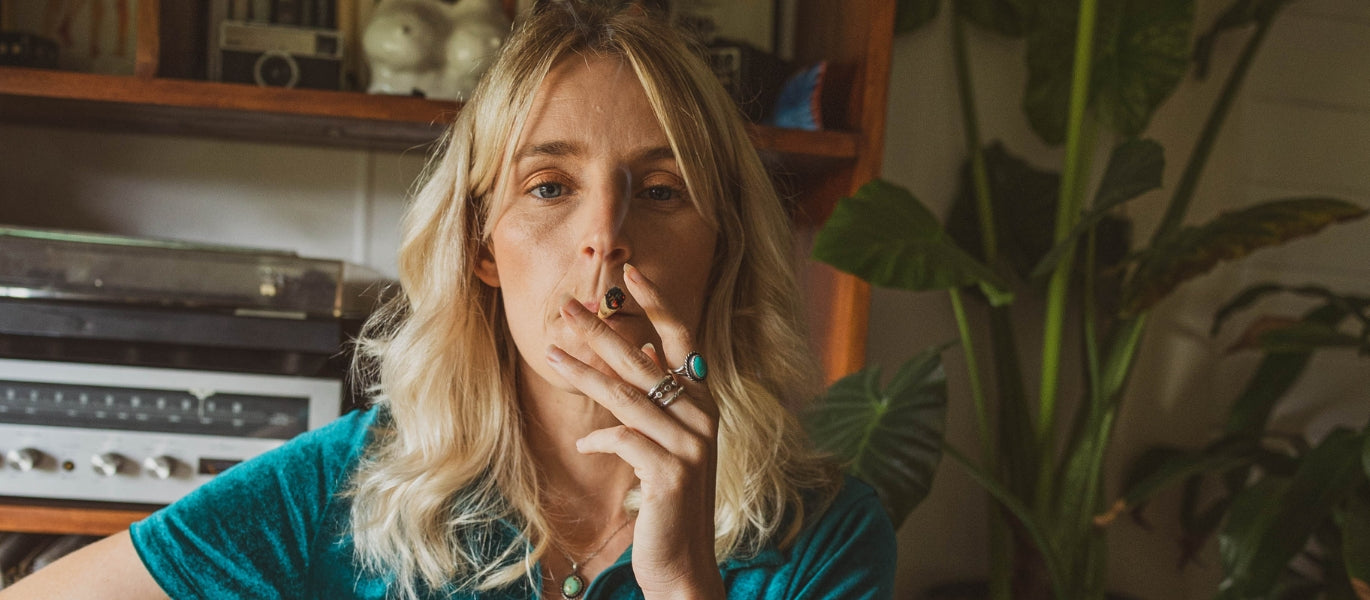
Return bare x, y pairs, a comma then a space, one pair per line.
673, 450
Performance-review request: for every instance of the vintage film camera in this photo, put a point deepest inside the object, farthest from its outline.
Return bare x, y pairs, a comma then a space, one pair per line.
272, 55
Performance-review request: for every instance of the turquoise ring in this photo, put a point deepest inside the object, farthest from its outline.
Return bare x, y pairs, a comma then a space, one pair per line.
694, 369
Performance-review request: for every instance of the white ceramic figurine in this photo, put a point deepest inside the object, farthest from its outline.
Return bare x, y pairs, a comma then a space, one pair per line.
433, 48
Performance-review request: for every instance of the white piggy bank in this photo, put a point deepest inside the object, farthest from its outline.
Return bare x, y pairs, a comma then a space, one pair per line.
433, 48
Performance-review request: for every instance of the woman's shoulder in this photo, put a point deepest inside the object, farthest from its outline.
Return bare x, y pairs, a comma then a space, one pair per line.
854, 506
352, 427
845, 549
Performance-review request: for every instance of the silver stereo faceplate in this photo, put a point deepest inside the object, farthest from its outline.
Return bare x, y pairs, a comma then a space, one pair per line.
143, 435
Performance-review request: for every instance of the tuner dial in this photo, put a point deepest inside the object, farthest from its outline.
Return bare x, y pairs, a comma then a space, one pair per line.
24, 459
107, 464
160, 467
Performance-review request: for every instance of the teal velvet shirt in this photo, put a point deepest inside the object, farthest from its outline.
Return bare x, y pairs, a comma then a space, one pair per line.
274, 527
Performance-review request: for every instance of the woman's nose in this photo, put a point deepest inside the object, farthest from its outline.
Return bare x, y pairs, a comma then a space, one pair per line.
605, 215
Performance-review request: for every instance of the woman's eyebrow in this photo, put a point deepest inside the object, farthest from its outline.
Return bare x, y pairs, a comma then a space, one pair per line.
556, 148
563, 148
655, 154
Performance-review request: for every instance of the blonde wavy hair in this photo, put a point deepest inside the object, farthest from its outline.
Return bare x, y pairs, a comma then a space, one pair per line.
449, 466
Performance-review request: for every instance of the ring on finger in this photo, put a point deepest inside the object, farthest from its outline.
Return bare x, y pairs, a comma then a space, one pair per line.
664, 402
694, 369
663, 388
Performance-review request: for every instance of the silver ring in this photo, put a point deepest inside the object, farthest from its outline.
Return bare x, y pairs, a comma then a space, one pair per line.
659, 391
669, 399
694, 369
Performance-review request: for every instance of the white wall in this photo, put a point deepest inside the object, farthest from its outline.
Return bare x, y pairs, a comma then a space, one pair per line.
1301, 127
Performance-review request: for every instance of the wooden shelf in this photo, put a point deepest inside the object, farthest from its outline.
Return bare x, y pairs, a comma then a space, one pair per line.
41, 517
814, 169
319, 117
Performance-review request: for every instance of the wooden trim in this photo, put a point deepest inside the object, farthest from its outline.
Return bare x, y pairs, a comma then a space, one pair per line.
28, 518
848, 326
149, 41
850, 317
96, 87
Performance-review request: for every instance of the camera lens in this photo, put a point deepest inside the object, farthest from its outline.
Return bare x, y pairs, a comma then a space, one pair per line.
276, 69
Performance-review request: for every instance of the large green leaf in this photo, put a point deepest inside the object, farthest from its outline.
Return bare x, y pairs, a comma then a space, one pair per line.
1249, 514
911, 15
1050, 54
1141, 55
1260, 540
885, 236
1274, 376
1165, 468
1307, 337
891, 438
1134, 168
1023, 202
1005, 17
1354, 520
1193, 251
1141, 50
1345, 304
1365, 456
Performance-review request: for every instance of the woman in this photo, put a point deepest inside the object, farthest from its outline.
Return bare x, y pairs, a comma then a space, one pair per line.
522, 444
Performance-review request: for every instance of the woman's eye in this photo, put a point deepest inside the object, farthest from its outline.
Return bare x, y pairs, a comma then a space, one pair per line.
548, 191
661, 193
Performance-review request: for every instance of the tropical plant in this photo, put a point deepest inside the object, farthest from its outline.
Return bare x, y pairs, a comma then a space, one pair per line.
1292, 518
1097, 70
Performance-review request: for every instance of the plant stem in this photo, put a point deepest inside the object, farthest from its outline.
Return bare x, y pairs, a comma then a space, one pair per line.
1008, 375
1022, 513
1091, 315
989, 237
1189, 180
984, 208
973, 369
999, 542
1067, 211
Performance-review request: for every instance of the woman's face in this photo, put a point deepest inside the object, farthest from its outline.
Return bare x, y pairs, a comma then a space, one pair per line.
593, 185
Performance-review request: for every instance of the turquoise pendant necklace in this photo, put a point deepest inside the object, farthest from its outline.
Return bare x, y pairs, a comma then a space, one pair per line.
573, 584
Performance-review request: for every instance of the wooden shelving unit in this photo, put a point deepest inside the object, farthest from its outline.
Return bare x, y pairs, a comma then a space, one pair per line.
322, 117
40, 517
854, 36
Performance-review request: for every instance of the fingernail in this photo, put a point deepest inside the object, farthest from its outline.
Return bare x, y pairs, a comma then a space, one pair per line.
580, 444
555, 354
632, 273
648, 348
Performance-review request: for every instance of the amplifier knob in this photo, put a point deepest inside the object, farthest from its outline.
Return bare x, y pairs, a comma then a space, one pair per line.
161, 467
24, 459
107, 464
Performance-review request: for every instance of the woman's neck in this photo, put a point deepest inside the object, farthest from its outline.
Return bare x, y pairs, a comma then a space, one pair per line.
584, 492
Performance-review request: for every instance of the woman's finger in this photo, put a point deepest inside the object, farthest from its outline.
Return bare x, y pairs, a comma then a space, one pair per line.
629, 405
677, 342
649, 460
638, 368
627, 361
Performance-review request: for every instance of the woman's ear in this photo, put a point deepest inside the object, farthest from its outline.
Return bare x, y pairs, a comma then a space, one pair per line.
486, 269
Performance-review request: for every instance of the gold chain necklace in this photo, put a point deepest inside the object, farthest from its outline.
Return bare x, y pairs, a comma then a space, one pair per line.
573, 585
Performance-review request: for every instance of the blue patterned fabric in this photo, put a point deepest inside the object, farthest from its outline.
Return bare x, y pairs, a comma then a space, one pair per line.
274, 527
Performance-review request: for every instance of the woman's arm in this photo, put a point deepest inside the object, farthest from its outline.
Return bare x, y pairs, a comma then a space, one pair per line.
106, 570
